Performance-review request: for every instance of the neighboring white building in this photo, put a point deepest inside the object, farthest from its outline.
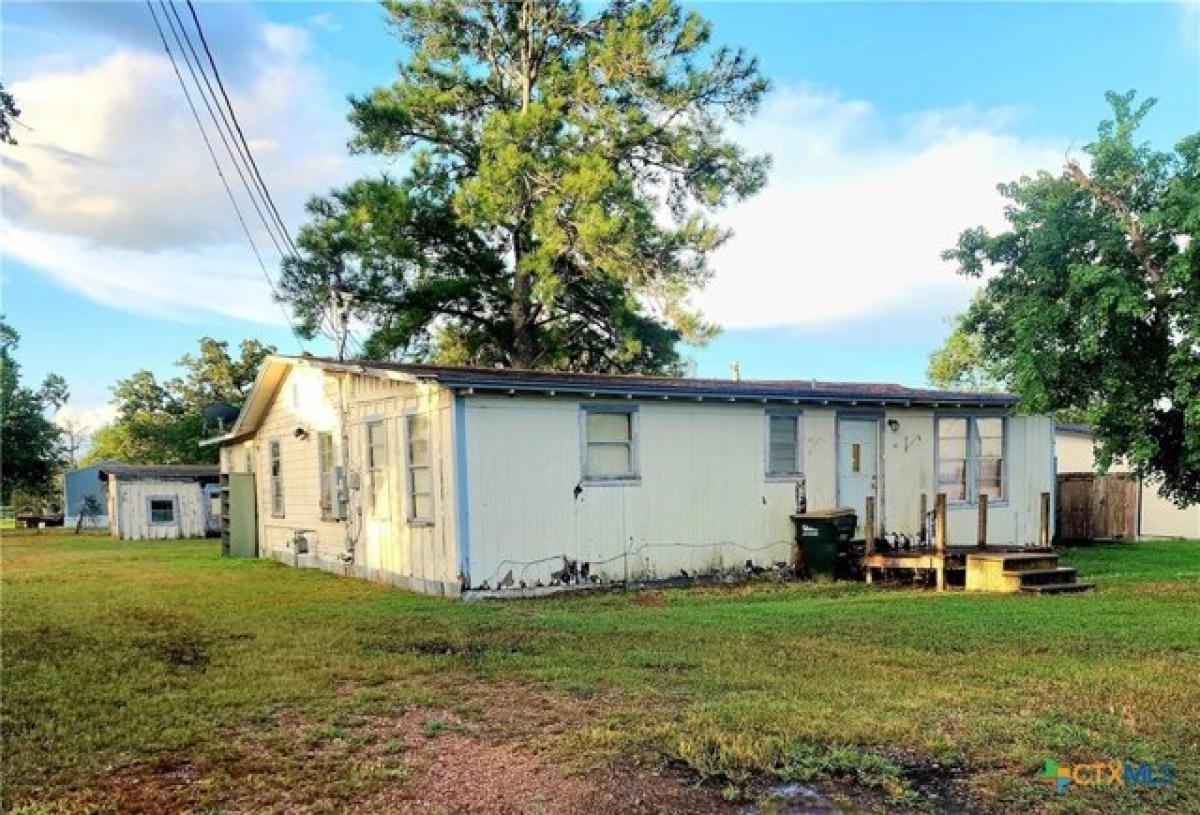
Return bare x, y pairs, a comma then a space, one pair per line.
1157, 516
436, 478
79, 485
160, 501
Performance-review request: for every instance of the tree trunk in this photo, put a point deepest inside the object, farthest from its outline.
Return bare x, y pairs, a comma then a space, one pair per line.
522, 353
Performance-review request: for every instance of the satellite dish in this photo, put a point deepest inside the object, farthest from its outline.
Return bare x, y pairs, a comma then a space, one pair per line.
222, 415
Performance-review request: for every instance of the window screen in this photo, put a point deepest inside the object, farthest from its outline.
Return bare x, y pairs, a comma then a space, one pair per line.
377, 463
326, 474
275, 466
784, 445
420, 480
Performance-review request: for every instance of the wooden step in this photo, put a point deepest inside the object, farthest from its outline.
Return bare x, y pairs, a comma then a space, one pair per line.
1059, 588
1038, 577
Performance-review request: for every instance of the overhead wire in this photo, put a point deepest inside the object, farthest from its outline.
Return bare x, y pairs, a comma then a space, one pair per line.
234, 156
212, 153
237, 126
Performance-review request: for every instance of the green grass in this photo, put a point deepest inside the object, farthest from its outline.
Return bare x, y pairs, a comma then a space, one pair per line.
131, 652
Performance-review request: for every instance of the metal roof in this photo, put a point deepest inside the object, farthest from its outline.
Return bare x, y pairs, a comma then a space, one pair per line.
192, 471
512, 381
808, 391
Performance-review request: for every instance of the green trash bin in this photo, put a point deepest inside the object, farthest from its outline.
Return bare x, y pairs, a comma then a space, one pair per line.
823, 539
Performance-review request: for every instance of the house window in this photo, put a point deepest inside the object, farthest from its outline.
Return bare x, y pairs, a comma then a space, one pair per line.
162, 511
970, 458
420, 479
275, 468
785, 436
610, 443
377, 462
327, 477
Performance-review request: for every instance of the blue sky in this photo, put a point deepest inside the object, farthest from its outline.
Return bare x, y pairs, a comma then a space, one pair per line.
889, 125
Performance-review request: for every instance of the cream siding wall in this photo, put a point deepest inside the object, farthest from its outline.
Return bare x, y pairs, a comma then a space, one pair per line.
373, 542
703, 501
1162, 519
130, 499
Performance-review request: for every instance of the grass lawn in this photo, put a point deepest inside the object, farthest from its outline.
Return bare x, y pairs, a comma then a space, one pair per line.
265, 687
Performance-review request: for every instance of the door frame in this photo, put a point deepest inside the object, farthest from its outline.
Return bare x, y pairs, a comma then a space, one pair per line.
862, 415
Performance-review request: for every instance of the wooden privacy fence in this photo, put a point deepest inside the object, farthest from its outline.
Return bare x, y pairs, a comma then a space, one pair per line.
1094, 507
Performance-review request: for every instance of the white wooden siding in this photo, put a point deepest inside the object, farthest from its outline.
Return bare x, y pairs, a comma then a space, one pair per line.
703, 500
131, 499
369, 542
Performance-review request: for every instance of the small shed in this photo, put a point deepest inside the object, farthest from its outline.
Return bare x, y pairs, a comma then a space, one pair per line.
81, 483
161, 501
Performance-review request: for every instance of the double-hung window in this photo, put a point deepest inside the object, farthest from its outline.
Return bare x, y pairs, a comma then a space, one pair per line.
785, 443
609, 443
275, 468
327, 477
377, 472
970, 458
420, 474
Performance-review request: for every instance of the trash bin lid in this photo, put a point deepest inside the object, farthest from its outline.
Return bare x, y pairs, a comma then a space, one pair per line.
833, 512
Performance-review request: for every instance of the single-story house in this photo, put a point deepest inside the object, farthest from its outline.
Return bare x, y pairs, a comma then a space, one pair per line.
161, 501
78, 485
445, 478
1156, 516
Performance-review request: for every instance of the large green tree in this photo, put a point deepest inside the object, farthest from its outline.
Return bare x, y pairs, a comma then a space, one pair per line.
162, 422
30, 446
561, 168
1092, 297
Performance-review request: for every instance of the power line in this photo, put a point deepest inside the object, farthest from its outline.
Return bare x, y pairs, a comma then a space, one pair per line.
241, 136
233, 156
220, 174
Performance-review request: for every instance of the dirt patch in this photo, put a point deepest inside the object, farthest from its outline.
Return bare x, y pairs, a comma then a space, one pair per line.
494, 750
648, 599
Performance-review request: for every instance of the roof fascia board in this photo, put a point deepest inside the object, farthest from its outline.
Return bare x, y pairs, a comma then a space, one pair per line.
742, 396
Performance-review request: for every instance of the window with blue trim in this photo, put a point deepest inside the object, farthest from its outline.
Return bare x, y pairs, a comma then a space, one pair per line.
610, 444
970, 460
785, 444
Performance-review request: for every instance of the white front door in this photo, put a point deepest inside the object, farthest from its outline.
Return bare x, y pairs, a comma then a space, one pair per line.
858, 460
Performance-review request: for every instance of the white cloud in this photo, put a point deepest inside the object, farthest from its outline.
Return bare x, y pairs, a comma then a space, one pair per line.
858, 210
112, 192
85, 421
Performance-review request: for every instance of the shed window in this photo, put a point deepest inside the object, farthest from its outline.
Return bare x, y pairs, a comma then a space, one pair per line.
420, 479
610, 444
327, 476
275, 466
377, 464
971, 458
162, 511
785, 444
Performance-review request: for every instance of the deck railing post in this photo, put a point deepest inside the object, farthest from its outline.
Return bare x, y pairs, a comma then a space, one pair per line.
981, 543
869, 523
922, 534
1044, 530
939, 540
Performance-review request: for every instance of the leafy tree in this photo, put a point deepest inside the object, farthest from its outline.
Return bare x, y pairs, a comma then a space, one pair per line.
561, 169
30, 449
959, 363
161, 422
1094, 304
8, 115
